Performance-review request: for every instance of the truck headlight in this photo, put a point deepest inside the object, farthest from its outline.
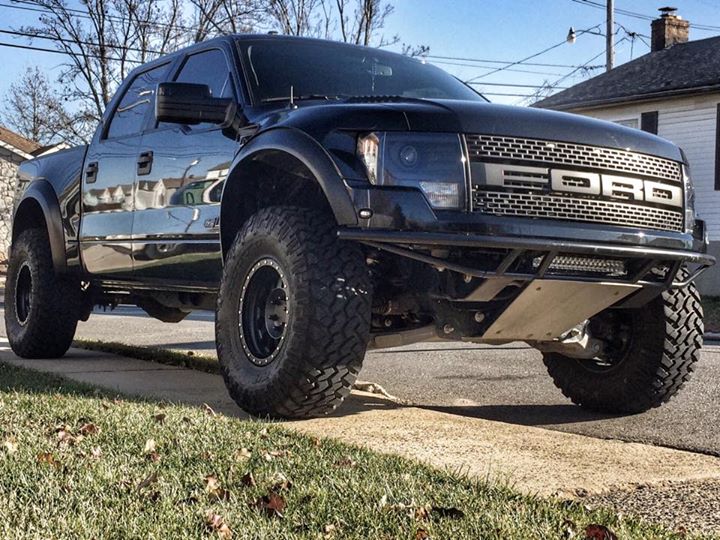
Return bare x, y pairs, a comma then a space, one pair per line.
689, 200
431, 162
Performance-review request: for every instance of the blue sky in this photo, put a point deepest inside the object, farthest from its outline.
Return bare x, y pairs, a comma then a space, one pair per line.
488, 30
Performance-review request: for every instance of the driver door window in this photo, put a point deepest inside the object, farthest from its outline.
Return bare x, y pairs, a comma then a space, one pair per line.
177, 204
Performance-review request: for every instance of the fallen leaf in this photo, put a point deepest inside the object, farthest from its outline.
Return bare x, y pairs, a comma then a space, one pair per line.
329, 531
151, 479
160, 417
243, 454
264, 433
149, 446
209, 410
214, 490
569, 529
186, 420
65, 437
279, 482
96, 452
88, 429
345, 463
383, 501
248, 480
422, 534
153, 456
272, 504
599, 532
422, 513
452, 513
10, 445
217, 524
49, 458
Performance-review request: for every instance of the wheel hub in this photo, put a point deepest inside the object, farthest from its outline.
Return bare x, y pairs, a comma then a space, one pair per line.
23, 294
263, 312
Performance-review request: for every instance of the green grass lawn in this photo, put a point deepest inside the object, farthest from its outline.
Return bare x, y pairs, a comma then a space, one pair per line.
76, 463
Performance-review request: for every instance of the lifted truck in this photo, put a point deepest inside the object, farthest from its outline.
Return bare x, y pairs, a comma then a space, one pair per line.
325, 198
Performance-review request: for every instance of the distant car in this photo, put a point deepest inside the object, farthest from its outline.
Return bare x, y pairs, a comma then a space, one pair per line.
324, 198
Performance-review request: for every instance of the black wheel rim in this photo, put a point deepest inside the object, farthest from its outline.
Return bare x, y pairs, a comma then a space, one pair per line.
23, 294
264, 311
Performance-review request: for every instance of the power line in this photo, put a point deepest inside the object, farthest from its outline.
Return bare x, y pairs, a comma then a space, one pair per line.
514, 85
497, 61
73, 42
65, 53
563, 42
636, 15
480, 66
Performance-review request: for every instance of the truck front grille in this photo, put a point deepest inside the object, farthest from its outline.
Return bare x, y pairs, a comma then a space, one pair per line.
534, 178
506, 203
493, 147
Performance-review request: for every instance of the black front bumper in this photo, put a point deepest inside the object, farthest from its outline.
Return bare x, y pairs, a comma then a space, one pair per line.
417, 245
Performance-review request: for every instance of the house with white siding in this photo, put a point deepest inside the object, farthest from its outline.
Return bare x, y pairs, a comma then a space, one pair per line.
674, 92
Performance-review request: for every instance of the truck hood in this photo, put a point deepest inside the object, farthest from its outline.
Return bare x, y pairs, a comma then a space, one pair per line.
394, 114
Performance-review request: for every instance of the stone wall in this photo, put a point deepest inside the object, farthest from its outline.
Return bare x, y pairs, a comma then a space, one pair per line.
8, 171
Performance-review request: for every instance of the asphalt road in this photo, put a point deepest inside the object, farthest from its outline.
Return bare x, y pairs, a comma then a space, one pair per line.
507, 383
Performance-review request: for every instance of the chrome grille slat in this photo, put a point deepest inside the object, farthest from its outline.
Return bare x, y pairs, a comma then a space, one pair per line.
506, 203
484, 147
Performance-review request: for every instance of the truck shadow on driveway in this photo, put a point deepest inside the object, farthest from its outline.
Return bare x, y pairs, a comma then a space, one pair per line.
527, 415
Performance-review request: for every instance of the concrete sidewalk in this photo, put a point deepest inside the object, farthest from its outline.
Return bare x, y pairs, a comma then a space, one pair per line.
533, 459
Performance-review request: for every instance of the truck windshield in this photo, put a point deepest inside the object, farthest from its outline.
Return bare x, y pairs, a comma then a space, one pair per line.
327, 70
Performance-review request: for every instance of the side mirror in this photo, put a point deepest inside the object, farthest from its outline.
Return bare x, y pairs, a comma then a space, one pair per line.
186, 103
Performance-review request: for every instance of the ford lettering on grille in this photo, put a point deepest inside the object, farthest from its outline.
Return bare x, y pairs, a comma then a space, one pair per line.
611, 186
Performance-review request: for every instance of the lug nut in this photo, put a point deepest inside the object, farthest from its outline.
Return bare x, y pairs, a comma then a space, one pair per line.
479, 317
448, 329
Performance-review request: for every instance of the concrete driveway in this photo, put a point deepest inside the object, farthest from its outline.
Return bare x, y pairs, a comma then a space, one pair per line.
507, 383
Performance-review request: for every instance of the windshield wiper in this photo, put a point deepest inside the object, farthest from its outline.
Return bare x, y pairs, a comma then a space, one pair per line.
305, 97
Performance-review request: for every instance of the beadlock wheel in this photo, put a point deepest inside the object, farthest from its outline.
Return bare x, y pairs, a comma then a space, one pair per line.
263, 311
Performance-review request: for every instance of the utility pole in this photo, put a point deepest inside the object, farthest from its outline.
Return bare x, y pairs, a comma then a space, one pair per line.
609, 36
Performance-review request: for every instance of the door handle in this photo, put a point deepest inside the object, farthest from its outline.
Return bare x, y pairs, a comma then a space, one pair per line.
144, 163
91, 172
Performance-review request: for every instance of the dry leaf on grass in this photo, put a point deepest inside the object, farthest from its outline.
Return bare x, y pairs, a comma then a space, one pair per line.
271, 504
279, 482
48, 458
149, 446
153, 456
209, 410
599, 532
10, 445
345, 463
149, 480
422, 534
96, 452
214, 490
160, 417
243, 454
217, 524
248, 480
88, 429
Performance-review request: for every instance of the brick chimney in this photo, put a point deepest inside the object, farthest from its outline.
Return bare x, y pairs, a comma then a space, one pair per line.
669, 29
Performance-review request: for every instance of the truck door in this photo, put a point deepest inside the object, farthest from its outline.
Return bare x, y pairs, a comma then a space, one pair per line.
176, 235
108, 180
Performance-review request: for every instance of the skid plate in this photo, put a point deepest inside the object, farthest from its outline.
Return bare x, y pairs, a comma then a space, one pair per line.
548, 308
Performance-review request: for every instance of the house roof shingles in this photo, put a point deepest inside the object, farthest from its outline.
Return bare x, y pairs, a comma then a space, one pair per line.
18, 141
691, 67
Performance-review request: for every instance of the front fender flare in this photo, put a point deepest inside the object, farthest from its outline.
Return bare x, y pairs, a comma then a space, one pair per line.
311, 154
42, 193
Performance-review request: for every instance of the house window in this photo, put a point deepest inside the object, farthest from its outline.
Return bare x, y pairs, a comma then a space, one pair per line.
649, 122
628, 122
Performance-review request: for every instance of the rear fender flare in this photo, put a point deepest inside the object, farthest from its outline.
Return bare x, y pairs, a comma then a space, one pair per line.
40, 192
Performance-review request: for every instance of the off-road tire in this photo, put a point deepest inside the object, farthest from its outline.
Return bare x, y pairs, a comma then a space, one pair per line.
664, 349
48, 326
328, 326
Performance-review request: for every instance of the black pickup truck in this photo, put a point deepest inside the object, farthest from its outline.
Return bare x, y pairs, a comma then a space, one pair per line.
325, 199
